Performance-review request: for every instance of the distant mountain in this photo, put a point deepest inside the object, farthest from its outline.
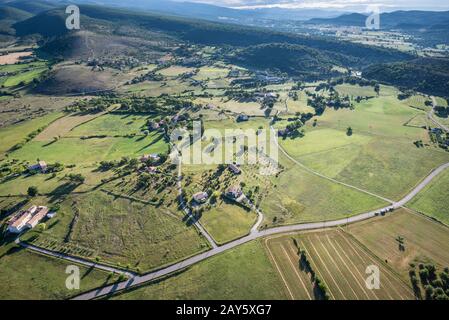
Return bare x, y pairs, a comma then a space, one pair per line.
351, 19
214, 12
31, 6
13, 14
406, 20
48, 24
52, 23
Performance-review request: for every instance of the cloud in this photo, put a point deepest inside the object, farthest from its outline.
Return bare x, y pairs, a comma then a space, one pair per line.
356, 5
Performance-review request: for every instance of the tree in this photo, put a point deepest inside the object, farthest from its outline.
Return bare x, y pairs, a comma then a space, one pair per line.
377, 88
32, 191
349, 132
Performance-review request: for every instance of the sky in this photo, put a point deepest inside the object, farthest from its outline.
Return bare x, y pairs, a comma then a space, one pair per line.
353, 5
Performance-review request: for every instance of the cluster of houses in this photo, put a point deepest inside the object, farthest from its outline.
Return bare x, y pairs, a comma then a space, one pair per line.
233, 193
28, 219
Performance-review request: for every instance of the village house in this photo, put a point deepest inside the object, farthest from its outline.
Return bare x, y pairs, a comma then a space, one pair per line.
234, 193
234, 169
40, 166
155, 158
242, 117
283, 132
27, 219
200, 197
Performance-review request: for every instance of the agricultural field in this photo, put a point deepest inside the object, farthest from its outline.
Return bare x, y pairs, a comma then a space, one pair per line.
424, 240
21, 74
220, 277
434, 199
174, 71
14, 57
62, 126
339, 261
12, 135
91, 150
211, 73
418, 102
355, 90
155, 89
42, 277
111, 125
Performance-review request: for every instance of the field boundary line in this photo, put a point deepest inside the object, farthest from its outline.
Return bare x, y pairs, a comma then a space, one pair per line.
279, 270
346, 265
336, 265
368, 260
317, 270
327, 269
296, 271
356, 269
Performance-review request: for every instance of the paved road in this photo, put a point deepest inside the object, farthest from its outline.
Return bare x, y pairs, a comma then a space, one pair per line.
74, 259
255, 234
431, 116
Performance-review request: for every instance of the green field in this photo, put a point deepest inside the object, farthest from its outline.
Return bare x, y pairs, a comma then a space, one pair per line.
121, 232
379, 156
211, 73
22, 73
12, 135
418, 101
111, 125
227, 222
79, 151
32, 276
434, 199
355, 90
242, 273
300, 196
64, 125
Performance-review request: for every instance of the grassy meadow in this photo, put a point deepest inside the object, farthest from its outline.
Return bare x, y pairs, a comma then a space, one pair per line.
434, 199
220, 277
32, 276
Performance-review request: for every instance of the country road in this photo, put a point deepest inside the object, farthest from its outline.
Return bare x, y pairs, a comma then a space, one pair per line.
255, 234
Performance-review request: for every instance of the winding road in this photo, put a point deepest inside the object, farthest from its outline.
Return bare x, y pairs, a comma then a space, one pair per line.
255, 234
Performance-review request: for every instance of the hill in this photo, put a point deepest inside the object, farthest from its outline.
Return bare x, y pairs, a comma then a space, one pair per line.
32, 6
203, 32
427, 75
304, 62
13, 14
405, 20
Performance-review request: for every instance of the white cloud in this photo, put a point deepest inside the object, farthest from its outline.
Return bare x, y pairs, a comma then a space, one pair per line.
357, 5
